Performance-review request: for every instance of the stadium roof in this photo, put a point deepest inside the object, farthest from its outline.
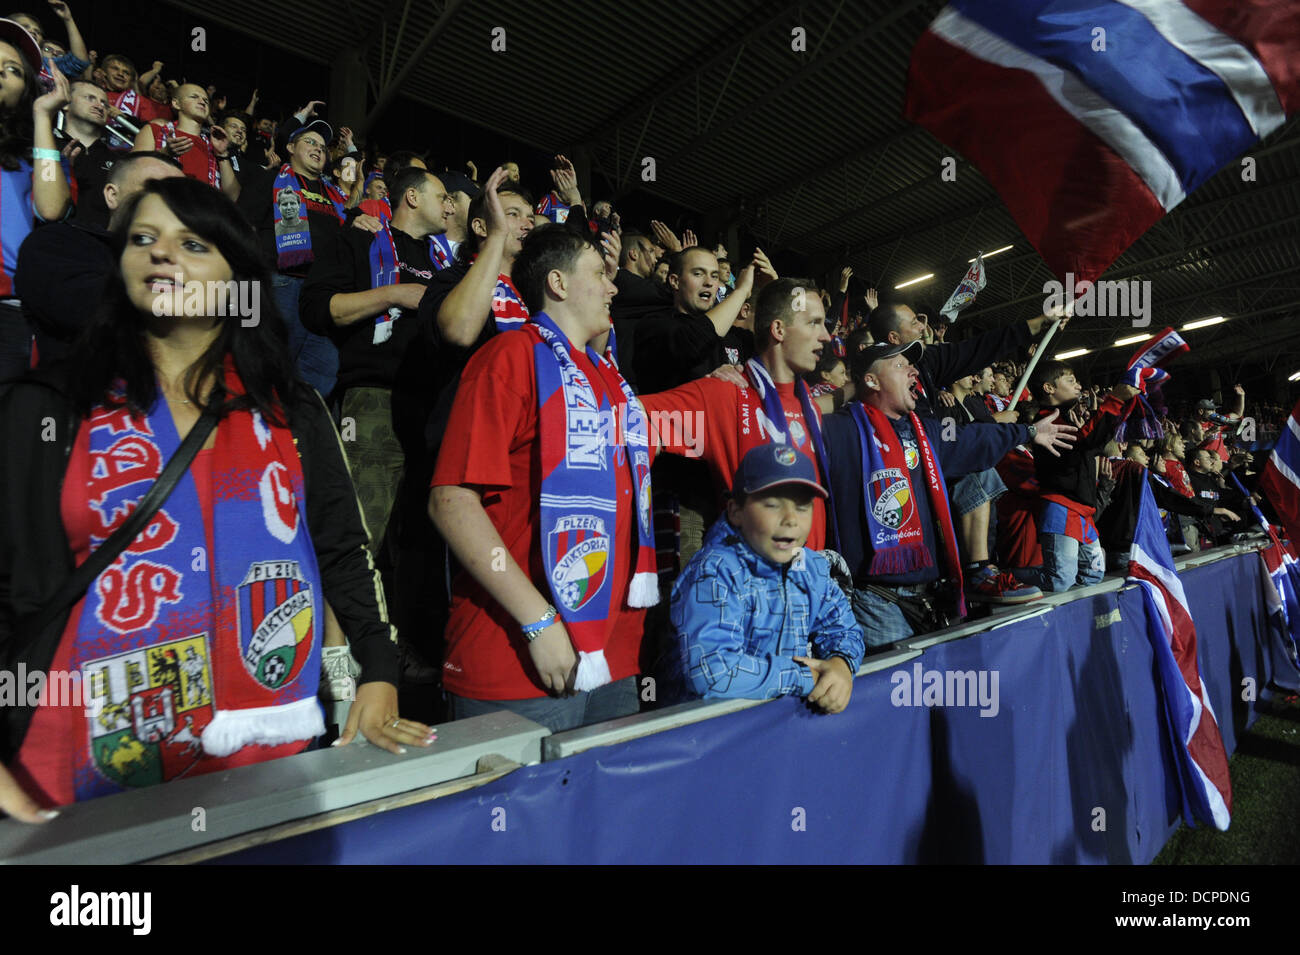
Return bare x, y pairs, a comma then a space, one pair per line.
808, 149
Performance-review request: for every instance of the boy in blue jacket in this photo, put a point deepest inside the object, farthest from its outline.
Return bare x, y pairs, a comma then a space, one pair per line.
753, 605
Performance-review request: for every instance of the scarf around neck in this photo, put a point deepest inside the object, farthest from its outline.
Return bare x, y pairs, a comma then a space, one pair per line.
171, 131
581, 453
776, 426
895, 537
186, 653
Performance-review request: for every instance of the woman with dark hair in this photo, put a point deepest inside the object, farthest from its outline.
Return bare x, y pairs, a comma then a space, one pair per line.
198, 648
32, 179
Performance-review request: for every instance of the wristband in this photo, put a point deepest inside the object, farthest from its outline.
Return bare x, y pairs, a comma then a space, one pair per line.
51, 154
533, 630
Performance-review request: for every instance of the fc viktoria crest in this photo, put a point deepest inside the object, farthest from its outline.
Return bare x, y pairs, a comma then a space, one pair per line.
146, 710
581, 549
276, 622
892, 498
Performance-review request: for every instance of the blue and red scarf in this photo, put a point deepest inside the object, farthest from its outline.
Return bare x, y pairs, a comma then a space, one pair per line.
895, 537
508, 308
553, 208
584, 442
384, 271
441, 251
776, 426
293, 245
185, 653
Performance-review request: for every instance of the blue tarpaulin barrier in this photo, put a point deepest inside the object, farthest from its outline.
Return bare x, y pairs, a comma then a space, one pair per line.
1073, 767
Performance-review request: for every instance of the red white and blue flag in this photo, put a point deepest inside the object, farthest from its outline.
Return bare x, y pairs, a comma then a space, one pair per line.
1197, 745
1280, 480
1094, 118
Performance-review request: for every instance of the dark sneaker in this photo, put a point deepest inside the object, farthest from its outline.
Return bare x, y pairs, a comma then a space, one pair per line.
992, 586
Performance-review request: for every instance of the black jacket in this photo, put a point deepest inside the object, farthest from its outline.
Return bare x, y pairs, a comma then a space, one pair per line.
945, 362
35, 558
63, 269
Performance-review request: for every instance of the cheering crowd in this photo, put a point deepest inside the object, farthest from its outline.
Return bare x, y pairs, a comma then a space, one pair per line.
502, 448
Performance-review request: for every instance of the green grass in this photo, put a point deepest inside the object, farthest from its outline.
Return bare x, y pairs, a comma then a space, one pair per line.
1265, 800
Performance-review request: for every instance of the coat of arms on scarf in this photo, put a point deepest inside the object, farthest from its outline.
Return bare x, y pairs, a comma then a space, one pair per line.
147, 710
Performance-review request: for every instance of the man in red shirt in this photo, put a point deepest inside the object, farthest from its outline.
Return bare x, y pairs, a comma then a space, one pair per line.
203, 150
507, 646
711, 418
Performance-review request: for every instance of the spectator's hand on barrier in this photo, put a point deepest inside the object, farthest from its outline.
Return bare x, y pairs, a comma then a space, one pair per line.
368, 223
17, 804
834, 683
555, 659
947, 399
1052, 436
374, 712
665, 236
731, 373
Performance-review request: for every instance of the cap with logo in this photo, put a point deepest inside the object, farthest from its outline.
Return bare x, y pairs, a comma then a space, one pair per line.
875, 352
769, 465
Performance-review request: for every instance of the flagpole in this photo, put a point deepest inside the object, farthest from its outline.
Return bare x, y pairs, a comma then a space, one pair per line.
1029, 369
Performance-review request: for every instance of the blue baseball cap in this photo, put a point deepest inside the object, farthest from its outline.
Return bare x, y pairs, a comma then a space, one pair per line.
769, 465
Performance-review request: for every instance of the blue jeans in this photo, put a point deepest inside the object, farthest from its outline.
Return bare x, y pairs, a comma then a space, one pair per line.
314, 356
1067, 562
881, 621
974, 490
560, 713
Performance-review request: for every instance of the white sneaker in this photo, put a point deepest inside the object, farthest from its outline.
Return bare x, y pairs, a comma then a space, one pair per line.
339, 674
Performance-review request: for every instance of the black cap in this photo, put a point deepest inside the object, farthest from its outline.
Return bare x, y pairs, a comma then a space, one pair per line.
874, 352
1205, 404
769, 465
316, 125
458, 182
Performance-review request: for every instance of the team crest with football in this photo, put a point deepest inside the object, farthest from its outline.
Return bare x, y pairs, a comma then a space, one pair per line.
581, 548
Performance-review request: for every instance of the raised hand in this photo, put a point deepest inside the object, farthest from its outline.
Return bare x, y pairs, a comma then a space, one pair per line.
665, 236
846, 273
1053, 436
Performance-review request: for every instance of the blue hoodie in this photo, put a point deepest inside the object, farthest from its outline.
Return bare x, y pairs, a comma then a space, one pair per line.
741, 619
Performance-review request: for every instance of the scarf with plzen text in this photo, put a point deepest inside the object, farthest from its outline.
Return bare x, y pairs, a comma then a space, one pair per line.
895, 538
185, 653
762, 381
581, 453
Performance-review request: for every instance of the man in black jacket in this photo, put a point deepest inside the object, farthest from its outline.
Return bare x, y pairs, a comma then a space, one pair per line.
947, 361
902, 500
374, 323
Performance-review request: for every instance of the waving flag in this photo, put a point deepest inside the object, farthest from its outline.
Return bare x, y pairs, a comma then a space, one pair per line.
1094, 118
973, 281
1197, 745
1280, 480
